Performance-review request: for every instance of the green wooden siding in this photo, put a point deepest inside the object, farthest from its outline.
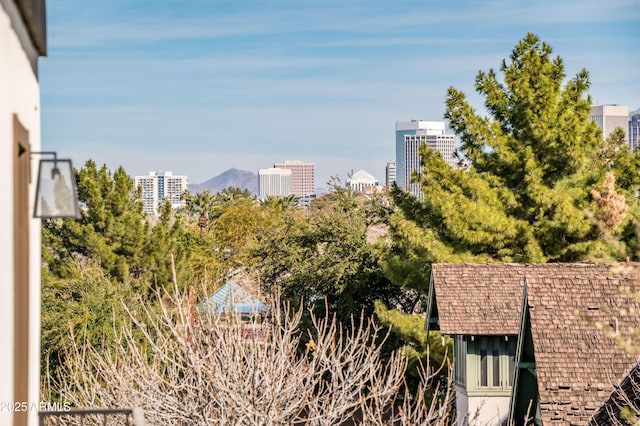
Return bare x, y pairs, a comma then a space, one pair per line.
485, 365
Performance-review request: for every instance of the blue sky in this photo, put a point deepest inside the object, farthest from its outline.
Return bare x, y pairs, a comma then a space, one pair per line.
200, 86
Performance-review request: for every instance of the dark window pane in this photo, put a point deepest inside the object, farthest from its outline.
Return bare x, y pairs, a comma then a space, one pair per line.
456, 361
496, 362
512, 359
483, 367
463, 361
484, 379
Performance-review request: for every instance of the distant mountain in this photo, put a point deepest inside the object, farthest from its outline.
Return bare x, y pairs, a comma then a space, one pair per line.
320, 190
242, 179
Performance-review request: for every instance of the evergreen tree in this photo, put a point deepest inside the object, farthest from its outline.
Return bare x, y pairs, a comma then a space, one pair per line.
324, 256
420, 348
526, 195
92, 265
85, 305
200, 203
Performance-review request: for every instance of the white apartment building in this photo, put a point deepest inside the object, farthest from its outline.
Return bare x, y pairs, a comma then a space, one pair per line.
302, 176
158, 186
274, 182
23, 40
362, 181
608, 117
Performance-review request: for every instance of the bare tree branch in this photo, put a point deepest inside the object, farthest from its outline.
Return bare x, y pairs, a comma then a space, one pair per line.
219, 370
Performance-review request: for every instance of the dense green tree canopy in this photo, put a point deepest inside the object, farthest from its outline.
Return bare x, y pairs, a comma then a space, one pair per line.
525, 193
325, 260
111, 230
324, 255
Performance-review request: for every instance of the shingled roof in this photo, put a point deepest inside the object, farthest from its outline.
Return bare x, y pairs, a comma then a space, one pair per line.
476, 299
577, 364
483, 299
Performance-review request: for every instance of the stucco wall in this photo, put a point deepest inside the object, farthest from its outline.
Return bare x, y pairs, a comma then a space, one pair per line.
19, 94
489, 410
462, 407
480, 410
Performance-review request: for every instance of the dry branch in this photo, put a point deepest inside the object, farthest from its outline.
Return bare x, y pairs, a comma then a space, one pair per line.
219, 370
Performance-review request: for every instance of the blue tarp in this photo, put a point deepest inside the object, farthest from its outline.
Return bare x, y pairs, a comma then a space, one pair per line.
231, 297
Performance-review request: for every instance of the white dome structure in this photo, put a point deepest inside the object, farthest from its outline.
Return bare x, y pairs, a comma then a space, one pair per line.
361, 181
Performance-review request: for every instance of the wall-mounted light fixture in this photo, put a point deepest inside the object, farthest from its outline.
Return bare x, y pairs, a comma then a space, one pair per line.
56, 193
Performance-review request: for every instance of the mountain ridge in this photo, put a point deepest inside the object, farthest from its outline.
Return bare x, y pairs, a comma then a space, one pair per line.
233, 177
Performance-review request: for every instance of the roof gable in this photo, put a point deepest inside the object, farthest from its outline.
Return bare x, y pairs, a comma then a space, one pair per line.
362, 175
482, 299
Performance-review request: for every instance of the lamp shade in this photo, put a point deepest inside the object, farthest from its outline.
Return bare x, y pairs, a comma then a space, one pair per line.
56, 194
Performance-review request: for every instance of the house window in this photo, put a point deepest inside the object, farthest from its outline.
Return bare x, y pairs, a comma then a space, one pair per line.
490, 365
491, 362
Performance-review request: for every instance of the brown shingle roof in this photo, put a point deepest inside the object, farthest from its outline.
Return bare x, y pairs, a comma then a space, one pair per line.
477, 299
576, 363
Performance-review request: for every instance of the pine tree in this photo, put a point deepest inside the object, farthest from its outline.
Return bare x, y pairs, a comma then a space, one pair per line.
526, 193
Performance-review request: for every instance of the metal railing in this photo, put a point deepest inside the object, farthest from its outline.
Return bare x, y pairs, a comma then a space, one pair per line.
87, 417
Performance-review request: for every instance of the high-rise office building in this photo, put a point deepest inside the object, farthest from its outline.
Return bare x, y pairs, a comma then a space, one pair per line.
444, 144
159, 186
302, 176
409, 137
390, 173
404, 128
608, 117
634, 129
274, 182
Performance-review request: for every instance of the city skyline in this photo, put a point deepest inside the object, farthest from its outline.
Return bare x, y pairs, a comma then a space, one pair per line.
200, 87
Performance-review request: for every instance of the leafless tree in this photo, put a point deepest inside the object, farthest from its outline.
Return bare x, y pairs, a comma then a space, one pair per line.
184, 366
